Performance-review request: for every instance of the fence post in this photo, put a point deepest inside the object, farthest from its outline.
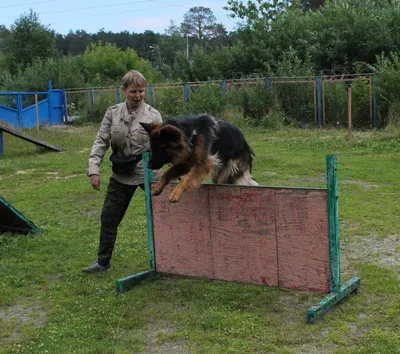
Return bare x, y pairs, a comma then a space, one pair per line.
19, 109
224, 88
1, 142
349, 107
319, 99
65, 106
374, 100
50, 91
91, 99
118, 92
151, 95
36, 110
268, 86
186, 92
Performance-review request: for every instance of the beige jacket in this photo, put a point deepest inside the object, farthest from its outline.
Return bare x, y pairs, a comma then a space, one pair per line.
122, 131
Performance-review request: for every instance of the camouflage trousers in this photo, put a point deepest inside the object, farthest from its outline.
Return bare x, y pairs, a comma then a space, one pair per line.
117, 200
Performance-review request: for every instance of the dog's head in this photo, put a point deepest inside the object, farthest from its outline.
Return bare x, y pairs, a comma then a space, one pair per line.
168, 144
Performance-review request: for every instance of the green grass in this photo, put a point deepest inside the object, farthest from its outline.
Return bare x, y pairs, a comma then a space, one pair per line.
47, 305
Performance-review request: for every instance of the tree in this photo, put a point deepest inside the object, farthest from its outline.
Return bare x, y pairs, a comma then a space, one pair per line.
259, 11
106, 64
4, 37
30, 40
200, 23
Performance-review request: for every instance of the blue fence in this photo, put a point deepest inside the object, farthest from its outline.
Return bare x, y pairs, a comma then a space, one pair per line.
20, 110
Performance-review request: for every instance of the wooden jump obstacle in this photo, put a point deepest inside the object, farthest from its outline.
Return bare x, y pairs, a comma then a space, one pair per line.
272, 236
25, 137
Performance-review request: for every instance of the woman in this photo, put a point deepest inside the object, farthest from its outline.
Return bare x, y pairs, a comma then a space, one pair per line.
121, 130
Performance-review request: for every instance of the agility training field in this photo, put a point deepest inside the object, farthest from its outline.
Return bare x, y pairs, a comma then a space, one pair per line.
47, 305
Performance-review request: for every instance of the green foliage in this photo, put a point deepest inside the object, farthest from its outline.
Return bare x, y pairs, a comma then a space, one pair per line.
252, 100
202, 67
169, 101
102, 101
335, 36
64, 71
387, 77
3, 62
107, 64
29, 40
275, 121
393, 116
206, 98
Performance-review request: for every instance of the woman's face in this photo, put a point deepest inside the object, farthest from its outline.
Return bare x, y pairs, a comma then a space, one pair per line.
134, 95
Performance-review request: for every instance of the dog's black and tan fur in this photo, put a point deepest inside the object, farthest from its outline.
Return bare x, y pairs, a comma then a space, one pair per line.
196, 146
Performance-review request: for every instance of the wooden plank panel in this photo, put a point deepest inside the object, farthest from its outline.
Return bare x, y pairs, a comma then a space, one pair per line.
243, 235
182, 233
302, 234
260, 235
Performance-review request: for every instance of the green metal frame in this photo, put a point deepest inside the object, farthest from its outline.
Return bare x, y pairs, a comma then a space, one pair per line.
337, 290
124, 284
30, 227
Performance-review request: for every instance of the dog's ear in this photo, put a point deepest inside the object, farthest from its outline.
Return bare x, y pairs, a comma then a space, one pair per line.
170, 133
148, 127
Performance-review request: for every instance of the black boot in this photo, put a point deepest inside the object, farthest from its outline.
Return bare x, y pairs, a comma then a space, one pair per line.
96, 267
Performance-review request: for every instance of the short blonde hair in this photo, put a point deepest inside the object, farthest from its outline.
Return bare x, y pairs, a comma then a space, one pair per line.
135, 78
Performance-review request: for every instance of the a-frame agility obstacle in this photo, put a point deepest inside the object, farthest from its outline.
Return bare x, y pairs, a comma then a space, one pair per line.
13, 221
272, 236
25, 137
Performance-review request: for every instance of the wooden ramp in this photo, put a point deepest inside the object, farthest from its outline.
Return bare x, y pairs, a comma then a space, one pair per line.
28, 138
11, 220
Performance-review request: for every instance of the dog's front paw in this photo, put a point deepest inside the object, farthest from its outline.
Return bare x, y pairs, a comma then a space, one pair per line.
175, 195
157, 189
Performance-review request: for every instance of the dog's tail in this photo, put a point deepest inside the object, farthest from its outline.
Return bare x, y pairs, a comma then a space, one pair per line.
234, 171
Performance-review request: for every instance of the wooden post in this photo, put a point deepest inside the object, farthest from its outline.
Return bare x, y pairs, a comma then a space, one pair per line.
319, 100
349, 109
370, 102
323, 102
37, 110
91, 100
315, 103
374, 101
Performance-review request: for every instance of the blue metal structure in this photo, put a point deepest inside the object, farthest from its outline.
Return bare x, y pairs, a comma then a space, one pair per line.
51, 110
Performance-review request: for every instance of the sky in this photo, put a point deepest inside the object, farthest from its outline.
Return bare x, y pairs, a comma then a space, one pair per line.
111, 15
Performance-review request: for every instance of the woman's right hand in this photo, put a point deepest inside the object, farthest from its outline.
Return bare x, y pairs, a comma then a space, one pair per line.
95, 181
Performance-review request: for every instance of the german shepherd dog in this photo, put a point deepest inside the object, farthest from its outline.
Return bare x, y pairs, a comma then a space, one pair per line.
196, 146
